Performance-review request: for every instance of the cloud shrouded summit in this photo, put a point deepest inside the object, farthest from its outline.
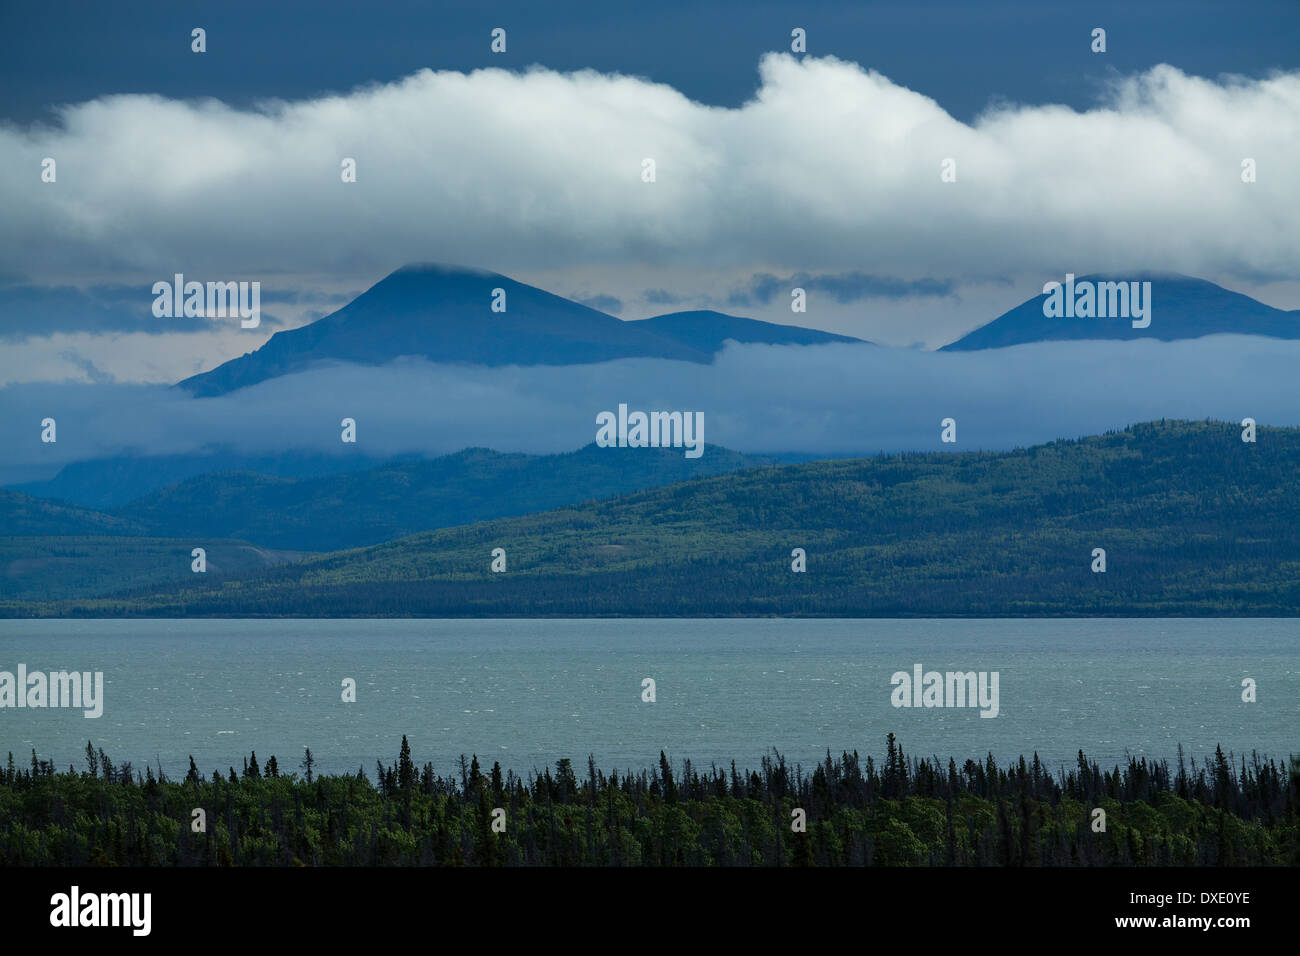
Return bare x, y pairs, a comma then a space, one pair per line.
829, 168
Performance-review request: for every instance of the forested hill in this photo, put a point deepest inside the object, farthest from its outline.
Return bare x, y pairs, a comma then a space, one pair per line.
1193, 520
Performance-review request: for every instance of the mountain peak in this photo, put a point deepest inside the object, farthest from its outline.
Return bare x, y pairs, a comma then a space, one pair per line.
445, 313
1181, 307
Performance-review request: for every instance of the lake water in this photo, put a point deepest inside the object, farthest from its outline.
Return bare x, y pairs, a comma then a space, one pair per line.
527, 692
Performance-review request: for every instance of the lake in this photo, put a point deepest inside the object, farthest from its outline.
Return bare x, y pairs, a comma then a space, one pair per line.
528, 692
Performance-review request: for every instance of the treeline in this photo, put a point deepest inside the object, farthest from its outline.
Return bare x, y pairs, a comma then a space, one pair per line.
904, 811
1193, 522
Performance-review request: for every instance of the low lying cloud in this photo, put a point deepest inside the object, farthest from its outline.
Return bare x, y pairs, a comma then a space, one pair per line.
831, 400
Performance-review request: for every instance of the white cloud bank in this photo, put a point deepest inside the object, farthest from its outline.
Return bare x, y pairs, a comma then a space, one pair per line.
831, 399
829, 167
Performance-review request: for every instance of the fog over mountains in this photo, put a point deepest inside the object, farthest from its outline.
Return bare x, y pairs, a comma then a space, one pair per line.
425, 367
446, 314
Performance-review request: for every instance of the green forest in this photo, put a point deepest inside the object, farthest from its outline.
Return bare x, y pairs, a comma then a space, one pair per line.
53, 550
902, 811
1194, 522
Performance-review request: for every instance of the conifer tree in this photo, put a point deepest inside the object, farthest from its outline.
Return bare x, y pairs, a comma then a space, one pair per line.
406, 769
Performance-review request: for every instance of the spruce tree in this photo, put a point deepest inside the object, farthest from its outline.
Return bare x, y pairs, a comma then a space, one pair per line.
405, 768
666, 779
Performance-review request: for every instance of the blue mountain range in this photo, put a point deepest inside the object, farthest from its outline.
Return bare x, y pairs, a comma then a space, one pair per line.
1181, 308
445, 314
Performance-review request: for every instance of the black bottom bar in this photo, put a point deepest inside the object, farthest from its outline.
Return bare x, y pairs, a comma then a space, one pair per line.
342, 904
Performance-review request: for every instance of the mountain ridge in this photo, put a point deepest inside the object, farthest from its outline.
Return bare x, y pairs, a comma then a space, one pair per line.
446, 314
1194, 522
1183, 307
356, 508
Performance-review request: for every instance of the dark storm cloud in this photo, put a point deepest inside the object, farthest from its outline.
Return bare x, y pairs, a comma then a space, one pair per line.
844, 288
662, 297
28, 311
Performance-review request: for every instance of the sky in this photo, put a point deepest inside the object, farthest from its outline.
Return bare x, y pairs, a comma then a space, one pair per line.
773, 168
963, 55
